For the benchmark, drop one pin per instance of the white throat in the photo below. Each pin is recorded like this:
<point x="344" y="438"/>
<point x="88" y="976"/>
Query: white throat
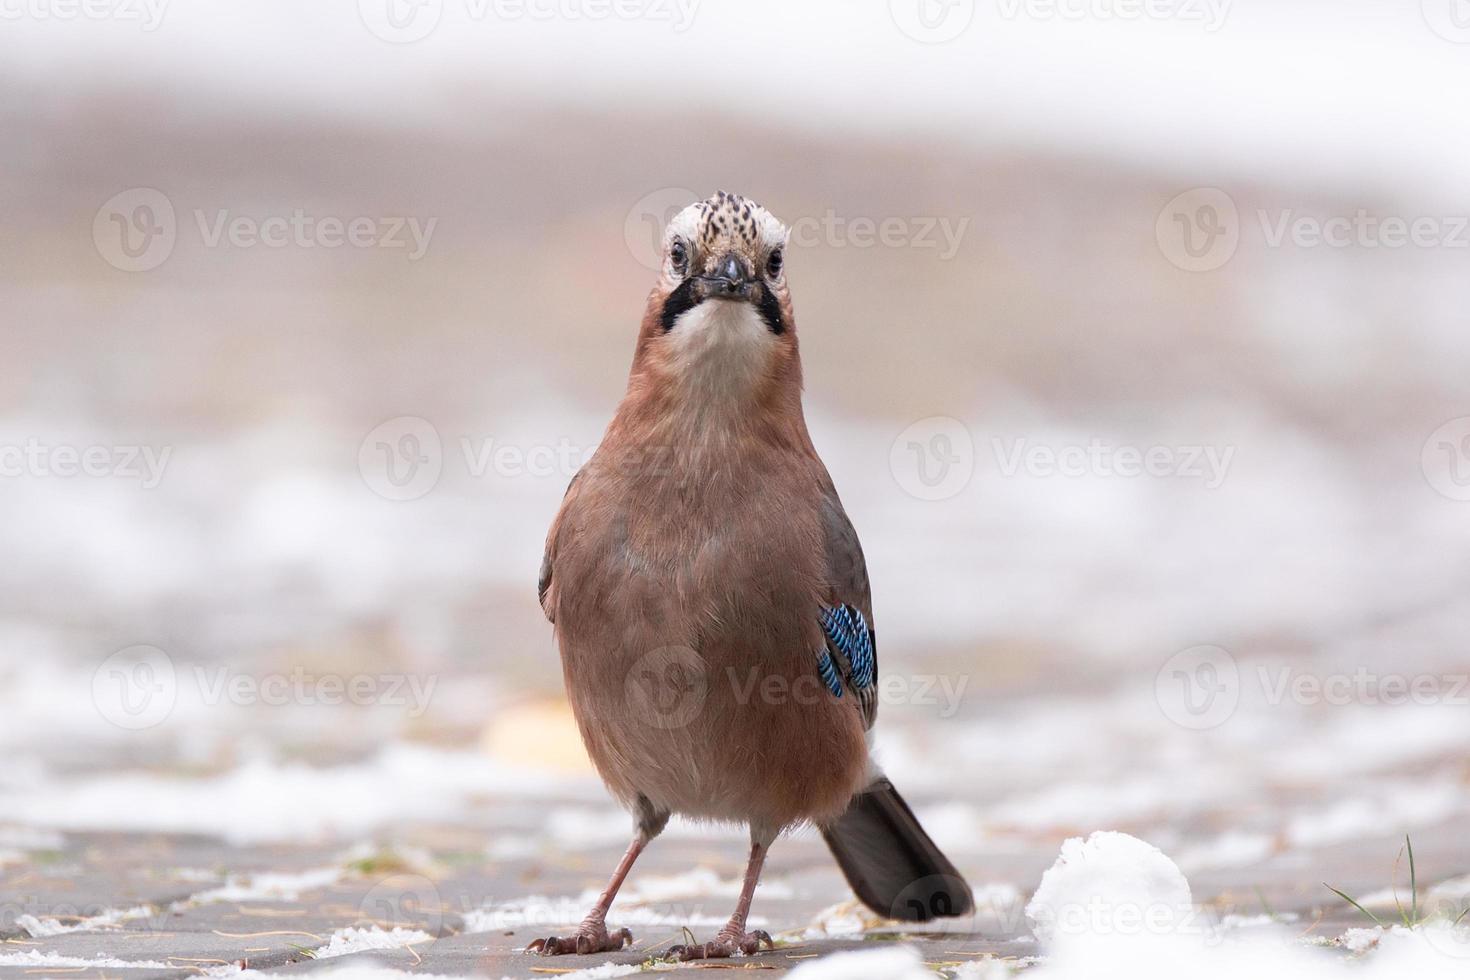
<point x="722" y="350"/>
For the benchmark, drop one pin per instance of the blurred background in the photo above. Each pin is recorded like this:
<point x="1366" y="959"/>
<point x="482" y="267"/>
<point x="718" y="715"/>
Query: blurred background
<point x="1135" y="340"/>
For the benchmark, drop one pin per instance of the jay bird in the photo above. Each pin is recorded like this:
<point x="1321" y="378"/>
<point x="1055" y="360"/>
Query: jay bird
<point x="711" y="602"/>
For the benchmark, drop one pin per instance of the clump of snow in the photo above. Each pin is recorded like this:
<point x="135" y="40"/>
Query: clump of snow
<point x="355" y="940"/>
<point x="1111" y="872"/>
<point x="846" y="920"/>
<point x="1111" y="884"/>
<point x="887" y="963"/>
<point x="1361" y="940"/>
<point x="41" y="927"/>
<point x="36" y="958"/>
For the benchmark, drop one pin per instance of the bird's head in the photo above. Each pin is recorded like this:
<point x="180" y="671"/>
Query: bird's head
<point x="719" y="319"/>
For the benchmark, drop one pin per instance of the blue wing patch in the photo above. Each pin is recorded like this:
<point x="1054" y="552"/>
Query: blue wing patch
<point x="849" y="635"/>
<point x="828" y="670"/>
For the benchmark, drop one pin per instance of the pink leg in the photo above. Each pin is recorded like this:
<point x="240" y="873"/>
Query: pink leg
<point x="592" y="935"/>
<point x="733" y="938"/>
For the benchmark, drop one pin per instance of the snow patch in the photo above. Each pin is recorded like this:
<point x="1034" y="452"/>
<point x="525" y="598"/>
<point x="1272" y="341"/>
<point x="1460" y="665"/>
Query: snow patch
<point x="355" y="940"/>
<point x="1110" y="884"/>
<point x="888" y="963"/>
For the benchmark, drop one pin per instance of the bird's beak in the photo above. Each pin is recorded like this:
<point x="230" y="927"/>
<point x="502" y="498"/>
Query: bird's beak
<point x="731" y="279"/>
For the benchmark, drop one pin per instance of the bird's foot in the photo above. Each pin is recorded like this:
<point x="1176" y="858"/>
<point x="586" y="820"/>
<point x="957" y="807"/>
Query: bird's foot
<point x="591" y="937"/>
<point x="728" y="943"/>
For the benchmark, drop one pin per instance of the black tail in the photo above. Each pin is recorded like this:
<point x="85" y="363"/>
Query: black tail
<point x="891" y="863"/>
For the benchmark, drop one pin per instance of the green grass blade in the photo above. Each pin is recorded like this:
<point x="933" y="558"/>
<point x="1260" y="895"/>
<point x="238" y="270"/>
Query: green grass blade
<point x="1354" y="903"/>
<point x="1413" y="879"/>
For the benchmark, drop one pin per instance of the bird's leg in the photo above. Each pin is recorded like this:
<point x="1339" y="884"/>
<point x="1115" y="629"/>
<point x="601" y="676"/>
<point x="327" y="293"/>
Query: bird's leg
<point x="592" y="935"/>
<point x="733" y="938"/>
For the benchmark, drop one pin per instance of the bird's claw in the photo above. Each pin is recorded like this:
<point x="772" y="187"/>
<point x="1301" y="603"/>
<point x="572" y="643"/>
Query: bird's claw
<point x="725" y="945"/>
<point x="589" y="939"/>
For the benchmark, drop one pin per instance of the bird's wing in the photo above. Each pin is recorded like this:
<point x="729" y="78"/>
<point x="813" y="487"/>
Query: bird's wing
<point x="548" y="558"/>
<point x="849" y="661"/>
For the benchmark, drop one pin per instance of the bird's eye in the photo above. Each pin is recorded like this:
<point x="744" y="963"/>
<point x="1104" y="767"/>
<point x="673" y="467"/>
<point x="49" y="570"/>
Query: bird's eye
<point x="679" y="256"/>
<point x="775" y="263"/>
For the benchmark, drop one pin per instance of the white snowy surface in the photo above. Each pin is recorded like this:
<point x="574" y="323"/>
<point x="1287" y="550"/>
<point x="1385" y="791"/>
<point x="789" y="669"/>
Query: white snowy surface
<point x="364" y="970"/>
<point x="888" y="963"/>
<point x="1111" y="884"/>
<point x="40" y="926"/>
<point x="356" y="940"/>
<point x="1110" y="871"/>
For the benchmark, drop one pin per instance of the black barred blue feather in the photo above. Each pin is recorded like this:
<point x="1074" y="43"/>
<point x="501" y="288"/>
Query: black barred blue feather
<point x="856" y="657"/>
<point x="828" y="670"/>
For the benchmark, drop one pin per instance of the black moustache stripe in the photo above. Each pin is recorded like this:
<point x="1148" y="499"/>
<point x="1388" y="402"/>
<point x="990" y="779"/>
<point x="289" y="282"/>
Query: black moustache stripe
<point x="770" y="311"/>
<point x="680" y="301"/>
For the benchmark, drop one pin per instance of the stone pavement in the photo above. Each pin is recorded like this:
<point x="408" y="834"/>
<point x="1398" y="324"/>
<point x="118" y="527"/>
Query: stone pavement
<point x="154" y="905"/>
